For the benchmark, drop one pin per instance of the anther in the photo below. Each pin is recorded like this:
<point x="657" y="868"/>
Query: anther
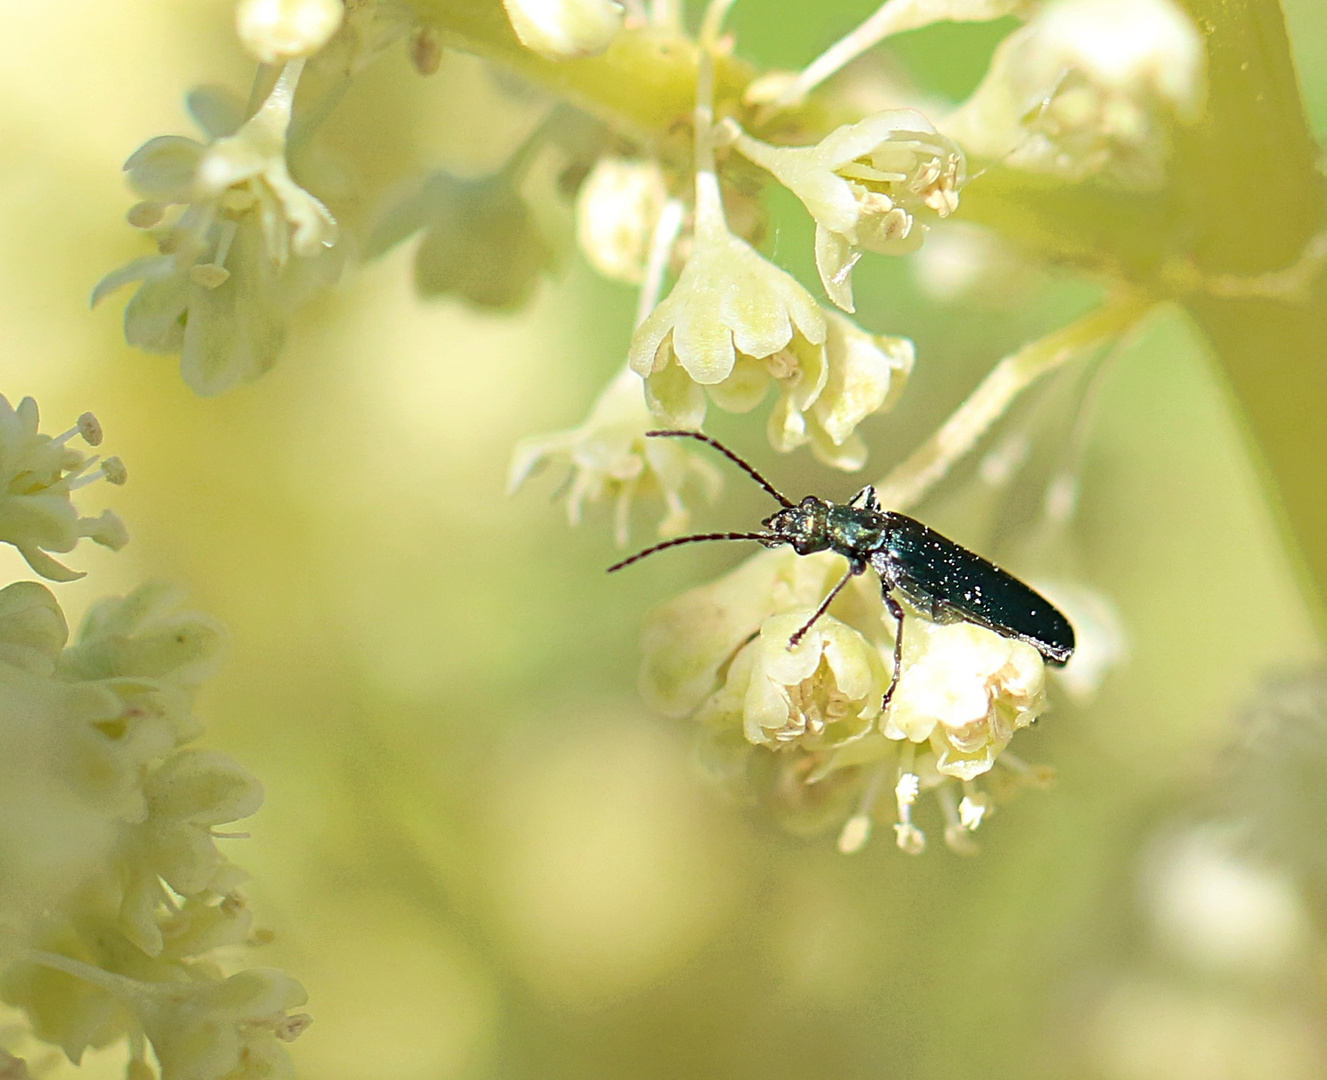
<point x="114" y="471"/>
<point x="146" y="214"/>
<point x="89" y="429"/>
<point x="957" y="838"/>
<point x="857" y="829"/>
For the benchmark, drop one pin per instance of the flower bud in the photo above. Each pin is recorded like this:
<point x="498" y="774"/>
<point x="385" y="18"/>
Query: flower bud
<point x="278" y="30"/>
<point x="616" y="210"/>
<point x="565" y="29"/>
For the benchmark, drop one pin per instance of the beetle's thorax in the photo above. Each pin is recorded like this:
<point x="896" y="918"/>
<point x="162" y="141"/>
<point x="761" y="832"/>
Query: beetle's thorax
<point x="815" y="524"/>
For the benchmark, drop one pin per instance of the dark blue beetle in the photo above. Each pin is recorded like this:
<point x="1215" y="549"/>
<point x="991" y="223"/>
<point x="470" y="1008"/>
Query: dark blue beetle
<point x="938" y="577"/>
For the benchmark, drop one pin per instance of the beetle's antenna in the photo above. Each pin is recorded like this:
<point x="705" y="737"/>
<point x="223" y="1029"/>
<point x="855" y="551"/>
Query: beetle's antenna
<point x="690" y="540"/>
<point x="748" y="469"/>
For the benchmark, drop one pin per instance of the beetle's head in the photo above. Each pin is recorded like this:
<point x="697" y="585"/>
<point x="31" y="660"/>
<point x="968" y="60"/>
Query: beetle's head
<point x="802" y="526"/>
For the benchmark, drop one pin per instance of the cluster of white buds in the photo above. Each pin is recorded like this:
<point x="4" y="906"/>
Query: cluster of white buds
<point x="240" y="241"/>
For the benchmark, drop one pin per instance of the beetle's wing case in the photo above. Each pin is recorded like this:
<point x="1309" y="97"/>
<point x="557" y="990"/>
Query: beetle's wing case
<point x="942" y="578"/>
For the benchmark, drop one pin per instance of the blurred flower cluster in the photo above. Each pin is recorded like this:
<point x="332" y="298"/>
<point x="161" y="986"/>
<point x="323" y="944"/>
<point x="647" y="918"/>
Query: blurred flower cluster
<point x="113" y="893"/>
<point x="803" y="728"/>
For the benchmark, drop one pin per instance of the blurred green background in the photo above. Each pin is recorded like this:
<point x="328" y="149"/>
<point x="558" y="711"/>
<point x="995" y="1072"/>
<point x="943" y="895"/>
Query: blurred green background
<point x="480" y="854"/>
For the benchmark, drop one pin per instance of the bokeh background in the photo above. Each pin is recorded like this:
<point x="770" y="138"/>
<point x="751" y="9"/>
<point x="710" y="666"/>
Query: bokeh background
<point x="478" y="851"/>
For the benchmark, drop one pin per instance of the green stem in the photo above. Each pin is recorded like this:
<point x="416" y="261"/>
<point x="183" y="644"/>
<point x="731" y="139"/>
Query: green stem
<point x="642" y="85"/>
<point x="959" y="435"/>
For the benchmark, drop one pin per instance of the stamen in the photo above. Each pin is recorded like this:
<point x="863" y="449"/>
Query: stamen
<point x="973" y="807"/>
<point x="89" y="429"/>
<point x="910" y="838"/>
<point x="214" y="273"/>
<point x="857" y="829"/>
<point x="146" y="214"/>
<point x="857" y="171"/>
<point x="956" y="833"/>
<point x="114" y="471"/>
<point x="80" y="476"/>
<point x="289" y="1028"/>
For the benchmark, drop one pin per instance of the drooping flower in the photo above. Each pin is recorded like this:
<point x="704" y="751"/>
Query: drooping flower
<point x="688" y="641"/>
<point x="729" y="304"/>
<point x="241" y="243"/>
<point x="38" y="474"/>
<point x="824" y="692"/>
<point x="610" y="457"/>
<point x="565" y="29"/>
<point x="866" y="185"/>
<point x="1089" y="86"/>
<point x="186" y="797"/>
<point x="862" y="374"/>
<point x="965" y="690"/>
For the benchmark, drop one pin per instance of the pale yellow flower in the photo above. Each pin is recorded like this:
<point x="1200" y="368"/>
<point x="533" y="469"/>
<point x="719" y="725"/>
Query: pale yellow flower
<point x="866" y="185"/>
<point x="610" y="458"/>
<point x="817" y="696"/>
<point x="862" y="374"/>
<point x="241" y="243"/>
<point x="688" y="640"/>
<point x="729" y="302"/>
<point x="965" y="690"/>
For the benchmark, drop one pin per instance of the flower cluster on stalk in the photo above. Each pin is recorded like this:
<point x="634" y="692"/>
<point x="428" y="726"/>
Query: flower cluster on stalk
<point x="807" y="725"/>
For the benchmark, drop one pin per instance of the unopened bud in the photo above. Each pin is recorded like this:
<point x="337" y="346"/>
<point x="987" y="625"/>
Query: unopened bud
<point x="277" y="30"/>
<point x="565" y="29"/>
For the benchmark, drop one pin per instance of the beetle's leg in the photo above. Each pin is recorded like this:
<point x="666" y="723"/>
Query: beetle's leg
<point x="867" y="491"/>
<point x="895" y="609"/>
<point x="853" y="570"/>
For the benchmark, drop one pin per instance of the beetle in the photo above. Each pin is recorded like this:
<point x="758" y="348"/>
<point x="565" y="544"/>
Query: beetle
<point x="939" y="578"/>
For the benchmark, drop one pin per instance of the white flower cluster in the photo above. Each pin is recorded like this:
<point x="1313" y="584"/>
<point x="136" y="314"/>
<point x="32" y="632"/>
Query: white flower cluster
<point x="806" y="723"/>
<point x="112" y="888"/>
